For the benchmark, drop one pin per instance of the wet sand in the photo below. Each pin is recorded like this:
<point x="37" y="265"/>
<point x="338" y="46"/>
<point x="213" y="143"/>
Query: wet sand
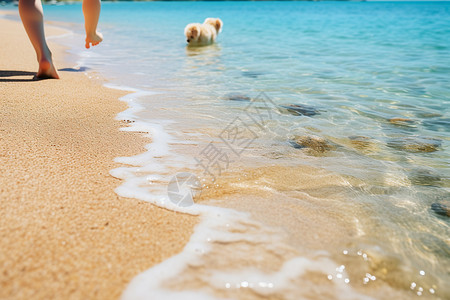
<point x="65" y="234"/>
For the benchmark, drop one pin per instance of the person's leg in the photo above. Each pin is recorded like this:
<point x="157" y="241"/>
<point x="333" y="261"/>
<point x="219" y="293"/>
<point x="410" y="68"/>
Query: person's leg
<point x="91" y="11"/>
<point x="32" y="17"/>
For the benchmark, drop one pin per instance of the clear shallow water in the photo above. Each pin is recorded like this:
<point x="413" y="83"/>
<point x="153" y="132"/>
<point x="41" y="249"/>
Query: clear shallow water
<point x="364" y="204"/>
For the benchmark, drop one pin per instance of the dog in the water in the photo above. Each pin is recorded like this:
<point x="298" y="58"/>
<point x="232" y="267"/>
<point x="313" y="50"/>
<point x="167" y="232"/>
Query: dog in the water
<point x="203" y="34"/>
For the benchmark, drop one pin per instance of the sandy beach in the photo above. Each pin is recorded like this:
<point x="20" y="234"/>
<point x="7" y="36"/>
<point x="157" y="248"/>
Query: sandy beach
<point x="65" y="234"/>
<point x="313" y="167"/>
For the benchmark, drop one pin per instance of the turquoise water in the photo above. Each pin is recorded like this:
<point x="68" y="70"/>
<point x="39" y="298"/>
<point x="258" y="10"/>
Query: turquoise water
<point x="361" y="63"/>
<point x="375" y="78"/>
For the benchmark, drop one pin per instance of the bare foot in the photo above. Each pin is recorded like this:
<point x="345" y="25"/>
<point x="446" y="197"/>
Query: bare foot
<point x="46" y="70"/>
<point x="93" y="39"/>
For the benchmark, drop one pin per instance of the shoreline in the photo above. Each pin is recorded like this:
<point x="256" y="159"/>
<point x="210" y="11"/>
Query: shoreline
<point x="326" y="204"/>
<point x="66" y="233"/>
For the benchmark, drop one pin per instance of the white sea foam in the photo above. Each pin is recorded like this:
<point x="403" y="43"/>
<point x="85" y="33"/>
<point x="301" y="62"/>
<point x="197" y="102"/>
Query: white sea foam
<point x="158" y="160"/>
<point x="232" y="240"/>
<point x="220" y="228"/>
<point x="146" y="178"/>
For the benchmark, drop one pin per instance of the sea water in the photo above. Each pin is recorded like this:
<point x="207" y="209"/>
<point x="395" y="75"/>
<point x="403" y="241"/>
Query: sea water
<point x="317" y="135"/>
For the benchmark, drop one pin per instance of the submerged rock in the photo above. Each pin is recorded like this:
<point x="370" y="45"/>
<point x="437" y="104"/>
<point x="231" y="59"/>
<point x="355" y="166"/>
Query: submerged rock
<point x="441" y="209"/>
<point x="237" y="97"/>
<point x="415" y="144"/>
<point x="401" y="121"/>
<point x="441" y="124"/>
<point x="425" y="115"/>
<point x="360" y="142"/>
<point x="313" y="144"/>
<point x="299" y="110"/>
<point x="424" y="177"/>
<point x="427" y="242"/>
<point x="251" y="74"/>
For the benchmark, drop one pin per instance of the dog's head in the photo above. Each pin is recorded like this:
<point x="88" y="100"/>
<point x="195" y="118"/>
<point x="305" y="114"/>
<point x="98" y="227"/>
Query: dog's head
<point x="192" y="32"/>
<point x="216" y="23"/>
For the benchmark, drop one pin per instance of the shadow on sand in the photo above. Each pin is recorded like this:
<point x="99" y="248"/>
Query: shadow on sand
<point x="11" y="73"/>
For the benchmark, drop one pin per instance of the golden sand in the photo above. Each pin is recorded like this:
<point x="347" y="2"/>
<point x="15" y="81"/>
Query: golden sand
<point x="65" y="234"/>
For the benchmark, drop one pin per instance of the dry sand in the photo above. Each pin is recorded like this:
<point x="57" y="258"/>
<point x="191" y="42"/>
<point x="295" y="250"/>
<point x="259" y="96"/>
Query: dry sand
<point x="65" y="234"/>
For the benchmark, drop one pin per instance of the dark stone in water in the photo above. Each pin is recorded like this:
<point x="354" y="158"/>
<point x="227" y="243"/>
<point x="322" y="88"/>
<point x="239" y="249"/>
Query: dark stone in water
<point x="415" y="144"/>
<point x="251" y="74"/>
<point x="441" y="124"/>
<point x="401" y="121"/>
<point x="441" y="209"/>
<point x="237" y="97"/>
<point x="359" y="138"/>
<point x="299" y="110"/>
<point x="430" y="243"/>
<point x="314" y="144"/>
<point x="425" y="115"/>
<point x="360" y="141"/>
<point x="424" y="177"/>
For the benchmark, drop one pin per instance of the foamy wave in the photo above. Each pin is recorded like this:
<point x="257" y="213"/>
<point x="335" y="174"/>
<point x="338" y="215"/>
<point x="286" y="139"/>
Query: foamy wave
<point x="228" y="253"/>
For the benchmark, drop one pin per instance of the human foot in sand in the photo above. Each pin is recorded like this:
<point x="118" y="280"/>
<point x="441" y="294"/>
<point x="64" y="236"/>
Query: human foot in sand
<point x="32" y="17"/>
<point x="46" y="69"/>
<point x="33" y="21"/>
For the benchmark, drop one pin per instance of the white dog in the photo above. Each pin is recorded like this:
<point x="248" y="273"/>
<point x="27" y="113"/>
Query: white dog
<point x="203" y="34"/>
